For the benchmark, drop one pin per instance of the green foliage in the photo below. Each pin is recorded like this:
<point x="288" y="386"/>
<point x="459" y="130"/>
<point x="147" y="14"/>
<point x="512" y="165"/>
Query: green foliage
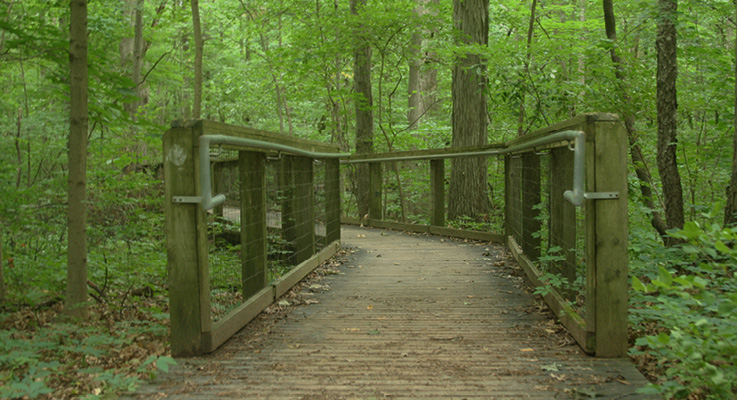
<point x="97" y="360"/>
<point x="692" y="298"/>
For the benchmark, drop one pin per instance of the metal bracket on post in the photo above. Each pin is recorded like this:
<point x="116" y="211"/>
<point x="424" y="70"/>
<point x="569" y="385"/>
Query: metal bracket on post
<point x="601" y="195"/>
<point x="187" y="199"/>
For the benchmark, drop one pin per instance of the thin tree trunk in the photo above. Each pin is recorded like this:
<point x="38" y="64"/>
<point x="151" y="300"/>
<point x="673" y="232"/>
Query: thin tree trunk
<point x="730" y="210"/>
<point x="364" y="109"/>
<point x="414" y="101"/>
<point x="667" y="107"/>
<point x="638" y="160"/>
<point x="198" y="49"/>
<point x="76" y="290"/>
<point x="468" y="182"/>
<point x="139" y="49"/>
<point x="528" y="60"/>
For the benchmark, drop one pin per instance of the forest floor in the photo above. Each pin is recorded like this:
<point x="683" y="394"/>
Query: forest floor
<point x="403" y="316"/>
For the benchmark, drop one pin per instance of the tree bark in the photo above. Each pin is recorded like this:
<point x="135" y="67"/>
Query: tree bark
<point x="670" y="178"/>
<point x="468" y="182"/>
<point x="76" y="290"/>
<point x="638" y="160"/>
<point x="364" y="109"/>
<point x="198" y="49"/>
<point x="414" y="90"/>
<point x="132" y="52"/>
<point x="526" y="73"/>
<point x="730" y="210"/>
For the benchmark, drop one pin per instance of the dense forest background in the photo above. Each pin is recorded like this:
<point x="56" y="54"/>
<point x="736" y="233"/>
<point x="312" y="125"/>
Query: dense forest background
<point x="288" y="67"/>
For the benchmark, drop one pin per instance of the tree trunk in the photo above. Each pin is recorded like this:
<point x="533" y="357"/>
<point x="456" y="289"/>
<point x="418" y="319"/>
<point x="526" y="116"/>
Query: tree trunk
<point x="468" y="189"/>
<point x="526" y="71"/>
<point x="198" y="49"/>
<point x="667" y="107"/>
<point x="364" y="109"/>
<point x="132" y="52"/>
<point x="730" y="210"/>
<point x="641" y="169"/>
<point x="414" y="89"/>
<point x="76" y="291"/>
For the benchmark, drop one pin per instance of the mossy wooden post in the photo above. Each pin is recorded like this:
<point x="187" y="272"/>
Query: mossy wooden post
<point x="252" y="166"/>
<point x="437" y="190"/>
<point x="375" y="183"/>
<point x="186" y="243"/>
<point x="332" y="199"/>
<point x="563" y="216"/>
<point x="512" y="197"/>
<point x="610" y="233"/>
<point x="530" y="199"/>
<point x="304" y="210"/>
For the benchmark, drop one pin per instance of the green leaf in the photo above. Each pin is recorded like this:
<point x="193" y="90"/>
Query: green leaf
<point x="665" y="276"/>
<point x="638" y="286"/>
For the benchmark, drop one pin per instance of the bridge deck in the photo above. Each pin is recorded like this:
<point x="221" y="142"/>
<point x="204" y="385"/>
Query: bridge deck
<point x="407" y="317"/>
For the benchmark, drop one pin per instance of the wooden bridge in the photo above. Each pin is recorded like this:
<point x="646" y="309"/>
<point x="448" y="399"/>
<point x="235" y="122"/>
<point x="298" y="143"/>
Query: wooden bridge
<point x="402" y="315"/>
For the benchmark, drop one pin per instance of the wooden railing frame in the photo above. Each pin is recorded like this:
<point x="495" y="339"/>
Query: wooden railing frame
<point x="192" y="329"/>
<point x="603" y="331"/>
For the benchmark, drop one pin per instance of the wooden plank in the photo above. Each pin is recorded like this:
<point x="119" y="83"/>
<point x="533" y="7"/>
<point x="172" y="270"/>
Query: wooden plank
<point x="399" y="226"/>
<point x="218" y="128"/>
<point x="611" y="241"/>
<point x="291" y="278"/>
<point x="578" y="122"/>
<point x="332" y="194"/>
<point x="304" y="203"/>
<point x="530" y="200"/>
<point x="427" y="153"/>
<point x="253" y="222"/>
<point x="235" y="320"/>
<point x="562" y="309"/>
<point x="375" y="184"/>
<point x="437" y="192"/>
<point x="435" y="230"/>
<point x="186" y="245"/>
<point x="466" y="234"/>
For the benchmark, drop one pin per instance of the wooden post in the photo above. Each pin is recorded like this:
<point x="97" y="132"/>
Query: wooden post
<point x="288" y="207"/>
<point x="304" y="209"/>
<point x="186" y="244"/>
<point x="218" y="170"/>
<point x="332" y="199"/>
<point x="513" y="197"/>
<point x="530" y="199"/>
<point x="610" y="231"/>
<point x="375" y="184"/>
<point x="563" y="217"/>
<point x="252" y="166"/>
<point x="437" y="190"/>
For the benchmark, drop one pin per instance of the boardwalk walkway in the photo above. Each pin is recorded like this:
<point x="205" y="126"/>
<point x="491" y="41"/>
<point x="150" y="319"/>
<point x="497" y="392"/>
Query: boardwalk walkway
<point x="404" y="317"/>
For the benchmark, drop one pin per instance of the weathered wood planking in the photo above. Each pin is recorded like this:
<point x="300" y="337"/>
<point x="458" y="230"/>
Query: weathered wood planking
<point x="408" y="317"/>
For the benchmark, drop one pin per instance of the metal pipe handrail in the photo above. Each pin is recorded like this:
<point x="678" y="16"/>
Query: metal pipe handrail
<point x="206" y="198"/>
<point x="575" y="196"/>
<point x="208" y="201"/>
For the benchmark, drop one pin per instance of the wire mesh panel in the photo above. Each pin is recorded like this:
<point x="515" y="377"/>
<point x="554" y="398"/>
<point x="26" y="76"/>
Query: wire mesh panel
<point x="240" y="216"/>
